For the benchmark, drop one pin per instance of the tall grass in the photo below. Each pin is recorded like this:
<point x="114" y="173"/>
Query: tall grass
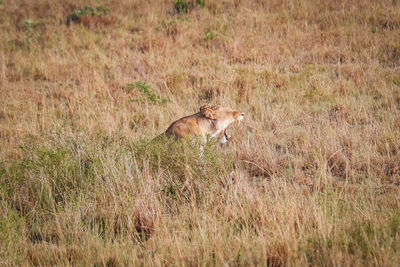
<point x="311" y="178"/>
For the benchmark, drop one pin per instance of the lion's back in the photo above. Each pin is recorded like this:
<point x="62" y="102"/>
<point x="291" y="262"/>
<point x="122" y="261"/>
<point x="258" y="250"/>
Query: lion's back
<point x="184" y="127"/>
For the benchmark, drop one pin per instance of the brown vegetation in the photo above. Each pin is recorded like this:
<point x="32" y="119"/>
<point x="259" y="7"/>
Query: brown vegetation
<point x="311" y="178"/>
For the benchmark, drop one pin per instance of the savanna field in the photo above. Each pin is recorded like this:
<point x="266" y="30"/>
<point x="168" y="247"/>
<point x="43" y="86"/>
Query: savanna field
<point x="311" y="177"/>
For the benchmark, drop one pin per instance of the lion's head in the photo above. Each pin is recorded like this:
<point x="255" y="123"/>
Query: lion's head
<point x="221" y="114"/>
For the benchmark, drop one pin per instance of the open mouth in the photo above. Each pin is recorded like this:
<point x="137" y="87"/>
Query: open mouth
<point x="241" y="117"/>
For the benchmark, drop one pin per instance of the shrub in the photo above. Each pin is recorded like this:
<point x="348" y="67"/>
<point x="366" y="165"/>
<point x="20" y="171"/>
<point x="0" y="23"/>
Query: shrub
<point x="182" y="6"/>
<point x="90" y="16"/>
<point x="144" y="89"/>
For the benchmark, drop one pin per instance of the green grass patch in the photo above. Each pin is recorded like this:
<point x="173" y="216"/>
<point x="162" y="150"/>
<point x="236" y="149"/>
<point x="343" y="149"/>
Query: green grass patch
<point x="77" y="14"/>
<point x="148" y="96"/>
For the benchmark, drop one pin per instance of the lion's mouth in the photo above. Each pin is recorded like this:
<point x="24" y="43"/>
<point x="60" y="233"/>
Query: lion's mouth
<point x="226" y="135"/>
<point x="241" y="117"/>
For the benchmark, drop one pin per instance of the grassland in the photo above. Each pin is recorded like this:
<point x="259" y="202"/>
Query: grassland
<point x="311" y="178"/>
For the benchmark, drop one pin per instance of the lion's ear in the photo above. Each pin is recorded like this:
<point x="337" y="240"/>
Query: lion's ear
<point x="204" y="106"/>
<point x="207" y="111"/>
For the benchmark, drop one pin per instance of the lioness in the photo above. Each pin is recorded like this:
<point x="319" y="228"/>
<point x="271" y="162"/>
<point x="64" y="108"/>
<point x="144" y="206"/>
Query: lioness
<point x="210" y="121"/>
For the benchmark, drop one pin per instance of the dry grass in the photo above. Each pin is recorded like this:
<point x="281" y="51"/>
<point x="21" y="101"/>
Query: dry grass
<point x="311" y="178"/>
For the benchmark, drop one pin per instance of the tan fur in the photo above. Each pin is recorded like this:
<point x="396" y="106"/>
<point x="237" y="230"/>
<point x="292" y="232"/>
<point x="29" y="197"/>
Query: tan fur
<point x="210" y="121"/>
